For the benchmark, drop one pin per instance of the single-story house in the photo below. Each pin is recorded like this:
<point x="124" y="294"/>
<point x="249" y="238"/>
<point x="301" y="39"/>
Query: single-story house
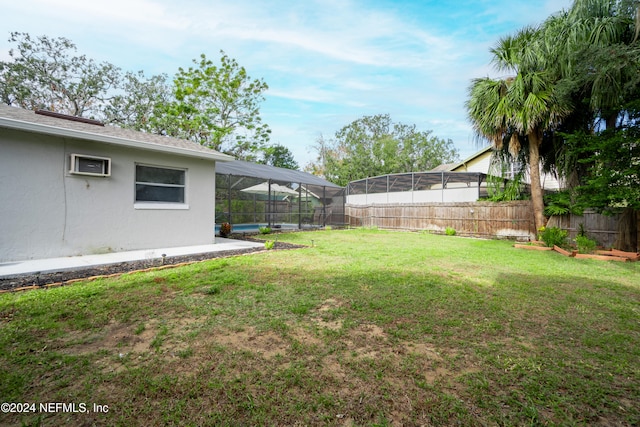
<point x="72" y="186"/>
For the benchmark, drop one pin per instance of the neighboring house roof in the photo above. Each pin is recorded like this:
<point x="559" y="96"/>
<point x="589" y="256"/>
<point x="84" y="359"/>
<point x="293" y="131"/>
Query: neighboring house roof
<point x="471" y="158"/>
<point x="481" y="162"/>
<point x="445" y="167"/>
<point x="256" y="170"/>
<point x="29" y="121"/>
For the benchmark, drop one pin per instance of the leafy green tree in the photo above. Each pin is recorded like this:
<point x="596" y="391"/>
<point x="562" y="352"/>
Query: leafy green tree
<point x="279" y="156"/>
<point x="140" y="103"/>
<point x="46" y="73"/>
<point x="611" y="184"/>
<point x="323" y="156"/>
<point x="218" y="106"/>
<point x="596" y="53"/>
<point x="574" y="73"/>
<point x="591" y="47"/>
<point x="215" y="105"/>
<point x="375" y="145"/>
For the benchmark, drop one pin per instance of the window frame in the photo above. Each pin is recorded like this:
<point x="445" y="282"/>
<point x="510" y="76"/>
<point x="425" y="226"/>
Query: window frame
<point x="75" y="160"/>
<point x="168" y="205"/>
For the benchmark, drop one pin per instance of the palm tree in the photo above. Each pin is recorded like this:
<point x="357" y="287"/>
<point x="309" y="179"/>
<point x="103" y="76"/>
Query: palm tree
<point x="589" y="46"/>
<point x="519" y="108"/>
<point x="595" y="50"/>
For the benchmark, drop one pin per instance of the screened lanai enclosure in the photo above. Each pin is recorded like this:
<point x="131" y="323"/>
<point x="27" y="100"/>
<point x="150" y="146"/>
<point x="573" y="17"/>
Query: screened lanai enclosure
<point x="418" y="187"/>
<point x="250" y="195"/>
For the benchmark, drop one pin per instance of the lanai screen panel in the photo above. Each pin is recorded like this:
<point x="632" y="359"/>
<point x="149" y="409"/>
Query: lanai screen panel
<point x="418" y="187"/>
<point x="261" y="195"/>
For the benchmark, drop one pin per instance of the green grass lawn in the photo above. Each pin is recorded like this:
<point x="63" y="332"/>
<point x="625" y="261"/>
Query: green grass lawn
<point x="365" y="327"/>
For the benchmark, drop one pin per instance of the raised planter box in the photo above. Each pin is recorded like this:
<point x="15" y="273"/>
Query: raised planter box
<point x="631" y="256"/>
<point x="564" y="252"/>
<point x="532" y="247"/>
<point x="602" y="257"/>
<point x="611" y="255"/>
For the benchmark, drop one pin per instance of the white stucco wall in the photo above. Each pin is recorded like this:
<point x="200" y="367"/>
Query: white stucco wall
<point x="47" y="212"/>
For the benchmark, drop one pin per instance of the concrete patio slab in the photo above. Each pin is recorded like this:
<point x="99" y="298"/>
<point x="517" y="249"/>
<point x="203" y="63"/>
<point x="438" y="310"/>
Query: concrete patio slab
<point x="17" y="268"/>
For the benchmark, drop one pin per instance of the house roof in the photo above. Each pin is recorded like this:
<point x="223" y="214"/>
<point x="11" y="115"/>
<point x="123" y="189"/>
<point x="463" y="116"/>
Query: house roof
<point x="255" y="170"/>
<point x="445" y="167"/>
<point x="453" y="166"/>
<point x="69" y="127"/>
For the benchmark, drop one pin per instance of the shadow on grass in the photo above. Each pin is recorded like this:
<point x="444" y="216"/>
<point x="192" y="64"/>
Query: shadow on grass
<point x="380" y="344"/>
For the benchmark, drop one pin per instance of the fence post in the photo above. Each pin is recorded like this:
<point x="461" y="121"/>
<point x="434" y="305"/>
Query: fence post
<point x="324" y="205"/>
<point x="300" y="204"/>
<point x="269" y="204"/>
<point x="413" y="185"/>
<point x="229" y="197"/>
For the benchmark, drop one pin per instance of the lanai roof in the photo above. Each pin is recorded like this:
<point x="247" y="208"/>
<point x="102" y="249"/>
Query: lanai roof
<point x="255" y="170"/>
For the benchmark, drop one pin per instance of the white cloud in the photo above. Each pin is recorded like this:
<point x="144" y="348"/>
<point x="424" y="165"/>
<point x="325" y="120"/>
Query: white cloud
<point x="327" y="62"/>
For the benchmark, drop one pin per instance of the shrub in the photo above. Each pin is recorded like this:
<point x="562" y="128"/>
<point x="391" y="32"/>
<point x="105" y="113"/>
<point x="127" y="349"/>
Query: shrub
<point x="450" y="231"/>
<point x="269" y="244"/>
<point x="560" y="203"/>
<point x="585" y="245"/>
<point x="264" y="230"/>
<point x="225" y="229"/>
<point x="553" y="236"/>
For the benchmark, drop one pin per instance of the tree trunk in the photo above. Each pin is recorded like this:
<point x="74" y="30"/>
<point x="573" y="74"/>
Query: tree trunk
<point x="534" y="174"/>
<point x="612" y="121"/>
<point x="627" y="239"/>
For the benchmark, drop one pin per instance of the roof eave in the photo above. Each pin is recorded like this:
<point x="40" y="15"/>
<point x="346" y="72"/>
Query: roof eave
<point x="108" y="139"/>
<point x="468" y="159"/>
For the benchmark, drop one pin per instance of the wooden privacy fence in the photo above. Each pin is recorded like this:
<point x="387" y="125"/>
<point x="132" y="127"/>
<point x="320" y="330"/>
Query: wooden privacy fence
<point x="602" y="228"/>
<point x="480" y="219"/>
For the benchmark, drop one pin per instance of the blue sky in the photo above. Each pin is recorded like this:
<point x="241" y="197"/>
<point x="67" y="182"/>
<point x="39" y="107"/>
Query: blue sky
<point x="326" y="62"/>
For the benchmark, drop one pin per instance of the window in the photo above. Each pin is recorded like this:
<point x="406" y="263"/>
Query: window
<point x="90" y="165"/>
<point x="160" y="185"/>
<point x="513" y="170"/>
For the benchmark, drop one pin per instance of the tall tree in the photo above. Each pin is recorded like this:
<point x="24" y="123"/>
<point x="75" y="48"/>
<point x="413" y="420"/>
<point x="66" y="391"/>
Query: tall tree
<point x="612" y="182"/>
<point x="375" y="145"/>
<point x="215" y="105"/>
<point x="218" y="106"/>
<point x="279" y="156"/>
<point x="589" y="47"/>
<point x="140" y="102"/>
<point x="519" y="109"/>
<point x="596" y="53"/>
<point x="47" y="73"/>
<point x="323" y="156"/>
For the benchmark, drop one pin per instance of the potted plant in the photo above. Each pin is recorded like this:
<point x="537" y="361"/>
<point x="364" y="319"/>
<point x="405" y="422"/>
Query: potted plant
<point x="225" y="229"/>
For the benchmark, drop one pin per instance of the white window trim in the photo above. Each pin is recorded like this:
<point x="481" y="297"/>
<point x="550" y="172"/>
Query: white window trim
<point x="142" y="205"/>
<point x="160" y="205"/>
<point x="75" y="158"/>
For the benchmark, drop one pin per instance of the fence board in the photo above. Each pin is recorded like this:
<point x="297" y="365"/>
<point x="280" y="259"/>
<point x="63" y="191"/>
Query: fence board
<point x="602" y="228"/>
<point x="480" y="219"/>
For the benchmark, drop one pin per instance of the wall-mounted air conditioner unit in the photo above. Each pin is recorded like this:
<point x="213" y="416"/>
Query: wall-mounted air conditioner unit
<point x="82" y="164"/>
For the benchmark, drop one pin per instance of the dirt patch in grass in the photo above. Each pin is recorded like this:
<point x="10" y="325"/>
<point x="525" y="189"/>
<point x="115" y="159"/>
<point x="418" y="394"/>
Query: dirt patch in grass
<point x="267" y="344"/>
<point x="359" y="372"/>
<point x="119" y="344"/>
<point x="114" y="338"/>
